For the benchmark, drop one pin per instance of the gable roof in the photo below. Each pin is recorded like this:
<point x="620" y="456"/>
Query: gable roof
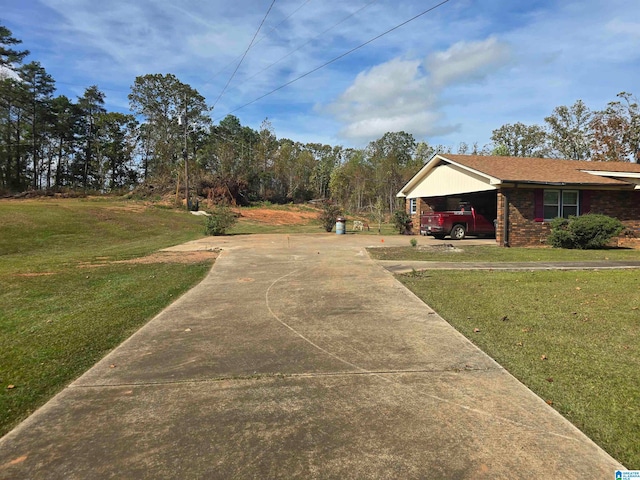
<point x="542" y="171"/>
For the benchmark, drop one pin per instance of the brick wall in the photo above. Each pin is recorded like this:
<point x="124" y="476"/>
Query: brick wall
<point x="525" y="232"/>
<point x="625" y="206"/>
<point x="422" y="206"/>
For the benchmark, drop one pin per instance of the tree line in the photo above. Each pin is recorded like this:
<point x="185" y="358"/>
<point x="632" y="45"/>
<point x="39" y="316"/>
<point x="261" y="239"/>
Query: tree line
<point x="575" y="132"/>
<point x="168" y="139"/>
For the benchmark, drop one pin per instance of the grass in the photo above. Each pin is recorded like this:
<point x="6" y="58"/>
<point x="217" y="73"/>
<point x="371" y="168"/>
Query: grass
<point x="251" y="227"/>
<point x="572" y="337"/>
<point x="58" y="313"/>
<point x="42" y="234"/>
<point x="491" y="253"/>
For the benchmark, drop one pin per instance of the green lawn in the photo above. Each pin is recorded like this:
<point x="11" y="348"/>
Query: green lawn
<point x="491" y="253"/>
<point x="573" y="337"/>
<point x="59" y="313"/>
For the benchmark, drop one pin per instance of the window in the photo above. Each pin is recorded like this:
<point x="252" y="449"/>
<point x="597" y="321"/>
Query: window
<point x="551" y="204"/>
<point x="413" y="205"/>
<point x="561" y="203"/>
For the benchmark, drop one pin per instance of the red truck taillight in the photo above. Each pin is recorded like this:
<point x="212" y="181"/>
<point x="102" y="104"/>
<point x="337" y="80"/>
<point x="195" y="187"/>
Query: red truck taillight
<point x="440" y="220"/>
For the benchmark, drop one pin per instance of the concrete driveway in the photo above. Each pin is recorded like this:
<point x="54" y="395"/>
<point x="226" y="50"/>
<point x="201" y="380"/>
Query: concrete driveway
<point x="298" y="357"/>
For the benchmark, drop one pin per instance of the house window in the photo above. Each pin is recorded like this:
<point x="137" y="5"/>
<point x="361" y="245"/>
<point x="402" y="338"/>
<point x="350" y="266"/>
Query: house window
<point x="413" y="205"/>
<point x="561" y="203"/>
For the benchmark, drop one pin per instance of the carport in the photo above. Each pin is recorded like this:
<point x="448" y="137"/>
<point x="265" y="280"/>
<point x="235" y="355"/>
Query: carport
<point x="444" y="185"/>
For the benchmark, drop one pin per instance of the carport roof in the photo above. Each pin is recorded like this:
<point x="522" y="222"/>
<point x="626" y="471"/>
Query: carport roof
<point x="542" y="171"/>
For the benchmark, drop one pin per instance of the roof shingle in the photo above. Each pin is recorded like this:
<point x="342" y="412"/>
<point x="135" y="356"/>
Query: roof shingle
<point x="544" y="170"/>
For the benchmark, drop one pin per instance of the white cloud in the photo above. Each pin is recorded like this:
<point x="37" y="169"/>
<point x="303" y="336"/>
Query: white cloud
<point x="621" y="27"/>
<point x="407" y="94"/>
<point x="6" y="73"/>
<point x="457" y="73"/>
<point x="467" y="61"/>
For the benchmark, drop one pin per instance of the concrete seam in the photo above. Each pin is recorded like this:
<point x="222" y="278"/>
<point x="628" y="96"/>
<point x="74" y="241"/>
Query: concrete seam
<point x="393" y="381"/>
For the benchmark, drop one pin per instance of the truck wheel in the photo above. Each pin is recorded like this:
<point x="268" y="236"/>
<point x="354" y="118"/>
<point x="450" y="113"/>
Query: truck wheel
<point x="458" y="232"/>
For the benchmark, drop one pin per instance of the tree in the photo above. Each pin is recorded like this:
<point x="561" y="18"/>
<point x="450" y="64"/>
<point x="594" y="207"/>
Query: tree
<point x="423" y="152"/>
<point x="65" y="128"/>
<point x="90" y="107"/>
<point x="352" y="182"/>
<point x="392" y="159"/>
<point x="463" y="148"/>
<point x="476" y="150"/>
<point x="293" y="171"/>
<point x="40" y="87"/>
<point x="616" y="131"/>
<point x="265" y="151"/>
<point x="325" y="159"/>
<point x="12" y="107"/>
<point x="8" y="55"/>
<point x="519" y="140"/>
<point x="228" y="160"/>
<point x="164" y="101"/>
<point x="568" y="131"/>
<point x="116" y="144"/>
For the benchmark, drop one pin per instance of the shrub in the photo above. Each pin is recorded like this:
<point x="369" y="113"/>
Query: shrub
<point x="402" y="221"/>
<point x="560" y="236"/>
<point x="193" y="205"/>
<point x="413" y="242"/>
<point x="329" y="214"/>
<point x="589" y="231"/>
<point x="221" y="219"/>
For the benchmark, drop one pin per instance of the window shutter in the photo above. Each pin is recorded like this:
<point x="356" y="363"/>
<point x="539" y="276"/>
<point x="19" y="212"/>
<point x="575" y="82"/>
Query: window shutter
<point x="585" y="201"/>
<point x="538" y="202"/>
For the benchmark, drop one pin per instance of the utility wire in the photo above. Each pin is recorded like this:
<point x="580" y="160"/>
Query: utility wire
<point x="336" y="58"/>
<point x="263" y="37"/>
<point x="309" y="41"/>
<point x="245" y="54"/>
<point x="266" y="35"/>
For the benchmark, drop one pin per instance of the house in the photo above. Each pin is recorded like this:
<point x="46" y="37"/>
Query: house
<point x="524" y="194"/>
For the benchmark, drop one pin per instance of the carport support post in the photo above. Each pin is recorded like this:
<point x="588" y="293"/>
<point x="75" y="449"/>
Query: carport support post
<point x="505" y="219"/>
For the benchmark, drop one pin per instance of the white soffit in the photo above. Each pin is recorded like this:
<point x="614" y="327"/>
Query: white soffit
<point x="629" y="177"/>
<point x="450" y="180"/>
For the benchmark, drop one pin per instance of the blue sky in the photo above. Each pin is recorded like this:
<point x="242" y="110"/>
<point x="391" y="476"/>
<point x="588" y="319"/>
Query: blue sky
<point x="452" y="75"/>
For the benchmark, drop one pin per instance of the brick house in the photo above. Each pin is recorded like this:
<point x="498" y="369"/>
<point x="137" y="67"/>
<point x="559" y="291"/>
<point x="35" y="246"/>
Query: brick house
<point x="523" y="194"/>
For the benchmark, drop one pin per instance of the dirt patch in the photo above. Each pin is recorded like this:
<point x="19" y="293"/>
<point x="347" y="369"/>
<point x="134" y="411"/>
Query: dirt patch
<point x="175" y="257"/>
<point x="133" y="207"/>
<point x="445" y="247"/>
<point x="278" y="217"/>
<point x="157" y="257"/>
<point x="38" y="274"/>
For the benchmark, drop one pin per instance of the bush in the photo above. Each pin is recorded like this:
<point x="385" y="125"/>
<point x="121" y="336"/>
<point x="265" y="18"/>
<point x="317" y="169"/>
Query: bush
<point x="589" y="231"/>
<point x="329" y="214"/>
<point x="221" y="219"/>
<point x="402" y="221"/>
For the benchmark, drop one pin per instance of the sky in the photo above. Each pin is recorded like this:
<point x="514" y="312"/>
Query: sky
<point x="451" y="75"/>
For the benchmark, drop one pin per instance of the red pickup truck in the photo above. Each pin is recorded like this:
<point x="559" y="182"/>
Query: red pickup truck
<point x="456" y="223"/>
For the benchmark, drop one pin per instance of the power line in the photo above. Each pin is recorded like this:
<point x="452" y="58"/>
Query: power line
<point x="245" y="53"/>
<point x="309" y="41"/>
<point x="266" y="35"/>
<point x="333" y="60"/>
<point x="263" y="37"/>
